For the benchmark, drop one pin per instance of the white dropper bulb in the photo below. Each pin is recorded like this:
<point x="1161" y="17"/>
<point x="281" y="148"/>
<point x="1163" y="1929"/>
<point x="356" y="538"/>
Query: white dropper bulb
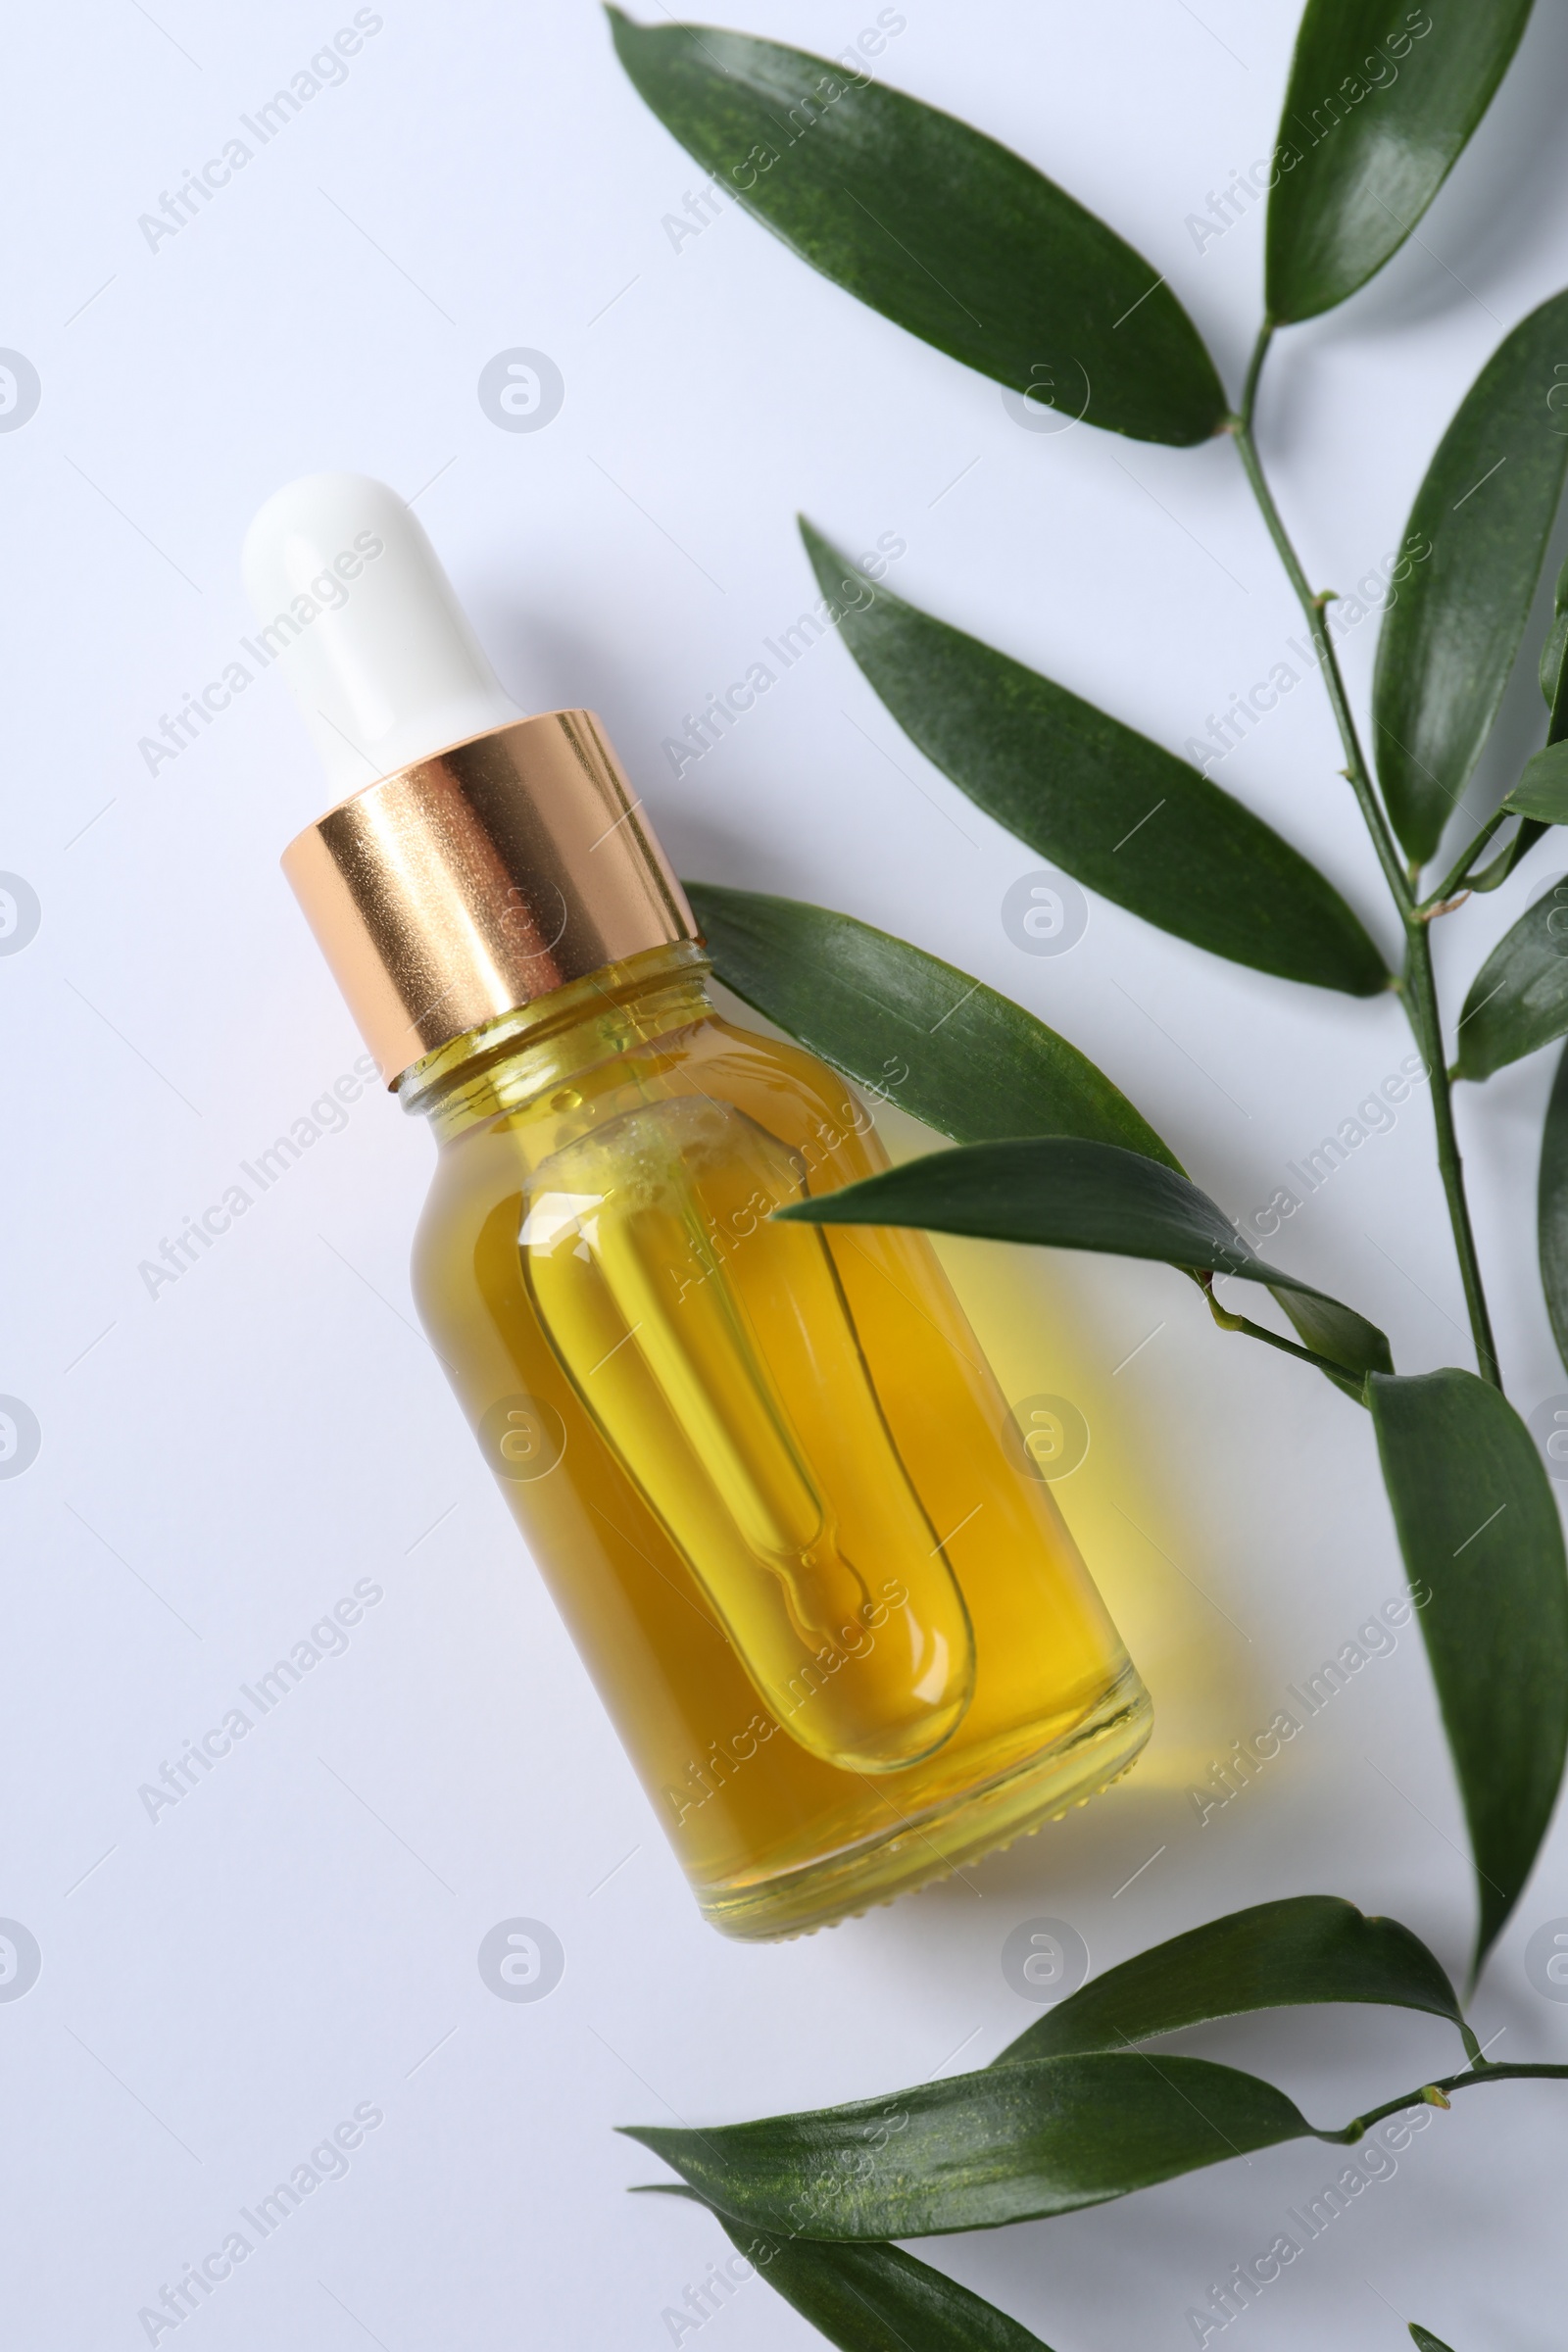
<point x="353" y="604"/>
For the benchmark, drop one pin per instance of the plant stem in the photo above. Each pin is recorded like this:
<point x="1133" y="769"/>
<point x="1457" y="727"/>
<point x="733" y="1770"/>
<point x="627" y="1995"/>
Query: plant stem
<point x="1418" y="989"/>
<point x="1223" y="1315"/>
<point x="1512" y="855"/>
<point x="1486" y="2072"/>
<point x="1355" y="766"/>
<point x="1460" y="874"/>
<point x="1421" y="1004"/>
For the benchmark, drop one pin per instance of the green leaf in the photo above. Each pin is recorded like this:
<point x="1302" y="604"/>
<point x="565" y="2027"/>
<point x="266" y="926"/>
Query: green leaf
<point x="1307" y="1948"/>
<point x="1330" y="1328"/>
<point x="1554" y="674"/>
<point x="1010" y="2145"/>
<point x="1553" y="669"/>
<point x="949" y="1051"/>
<point x="935" y="226"/>
<point x="1493" y="876"/>
<point x="1375" y="116"/>
<point x="1518" y="1001"/>
<point x="1424" y="2339"/>
<point x="1479" y="1528"/>
<point x="873" y="2297"/>
<point x="1486" y="512"/>
<point x="1099" y="800"/>
<point x="1542" y="790"/>
<point x="912" y="1029"/>
<point x="1061" y="1193"/>
<point x="1551" y="1208"/>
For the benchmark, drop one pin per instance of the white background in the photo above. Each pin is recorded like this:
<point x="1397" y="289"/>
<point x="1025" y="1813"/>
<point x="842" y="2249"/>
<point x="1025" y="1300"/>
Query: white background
<point x="220" y="1464"/>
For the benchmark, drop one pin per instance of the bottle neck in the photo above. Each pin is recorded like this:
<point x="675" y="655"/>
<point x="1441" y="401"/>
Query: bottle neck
<point x="504" y="1063"/>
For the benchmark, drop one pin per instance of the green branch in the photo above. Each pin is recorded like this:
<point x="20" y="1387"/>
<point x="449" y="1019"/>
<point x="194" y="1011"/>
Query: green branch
<point x="1357" y="772"/>
<point x="1435" y="2095"/>
<point x="1421" y="1002"/>
<point x="1461" y="877"/>
<point x="1418" y="989"/>
<point x="1227" y="1321"/>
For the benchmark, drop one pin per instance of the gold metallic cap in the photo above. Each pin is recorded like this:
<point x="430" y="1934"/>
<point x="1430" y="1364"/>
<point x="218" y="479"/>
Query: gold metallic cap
<point x="475" y="881"/>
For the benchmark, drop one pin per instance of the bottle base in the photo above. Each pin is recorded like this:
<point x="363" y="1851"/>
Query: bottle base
<point x="929" y="1846"/>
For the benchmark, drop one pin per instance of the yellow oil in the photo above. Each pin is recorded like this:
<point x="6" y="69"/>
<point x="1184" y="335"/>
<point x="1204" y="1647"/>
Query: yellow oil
<point x="837" y="1618"/>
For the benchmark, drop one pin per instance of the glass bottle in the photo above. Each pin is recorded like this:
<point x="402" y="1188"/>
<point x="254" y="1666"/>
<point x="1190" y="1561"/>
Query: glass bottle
<point x="840" y="1626"/>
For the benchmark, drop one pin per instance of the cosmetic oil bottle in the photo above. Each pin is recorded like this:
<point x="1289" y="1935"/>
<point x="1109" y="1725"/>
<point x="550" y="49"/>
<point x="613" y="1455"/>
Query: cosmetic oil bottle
<point x="776" y="1493"/>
